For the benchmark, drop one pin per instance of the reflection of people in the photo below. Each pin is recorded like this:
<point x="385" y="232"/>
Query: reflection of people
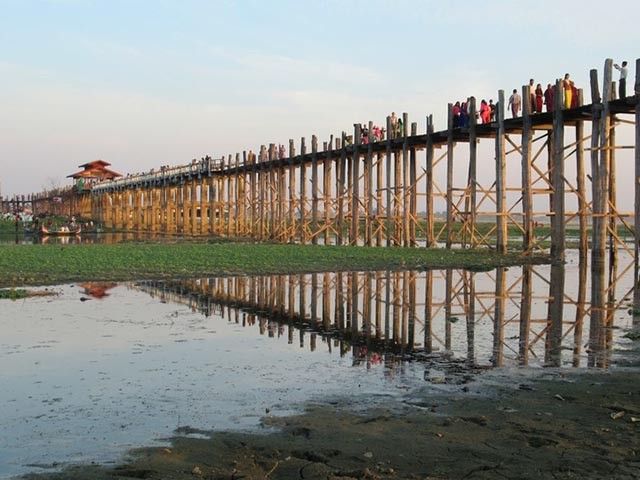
<point x="622" y="86"/>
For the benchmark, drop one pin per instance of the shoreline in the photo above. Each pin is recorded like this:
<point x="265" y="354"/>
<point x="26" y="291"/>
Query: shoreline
<point x="508" y="423"/>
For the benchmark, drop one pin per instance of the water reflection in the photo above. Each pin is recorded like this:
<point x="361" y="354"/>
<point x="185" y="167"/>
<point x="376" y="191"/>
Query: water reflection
<point x="509" y="316"/>
<point x="84" y="238"/>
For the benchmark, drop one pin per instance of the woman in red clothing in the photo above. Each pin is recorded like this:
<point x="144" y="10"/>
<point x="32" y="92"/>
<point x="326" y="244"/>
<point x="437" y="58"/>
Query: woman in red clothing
<point x="485" y="112"/>
<point x="539" y="95"/>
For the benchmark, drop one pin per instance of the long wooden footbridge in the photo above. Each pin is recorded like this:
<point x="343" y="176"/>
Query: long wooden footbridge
<point x="386" y="192"/>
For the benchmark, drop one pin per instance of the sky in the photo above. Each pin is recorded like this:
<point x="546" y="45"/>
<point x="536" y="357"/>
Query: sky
<point x="145" y="83"/>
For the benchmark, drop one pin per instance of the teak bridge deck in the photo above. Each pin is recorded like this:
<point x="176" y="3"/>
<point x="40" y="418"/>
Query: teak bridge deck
<point x="377" y="193"/>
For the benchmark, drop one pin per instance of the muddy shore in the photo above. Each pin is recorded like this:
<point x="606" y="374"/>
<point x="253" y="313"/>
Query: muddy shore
<point x="500" y="424"/>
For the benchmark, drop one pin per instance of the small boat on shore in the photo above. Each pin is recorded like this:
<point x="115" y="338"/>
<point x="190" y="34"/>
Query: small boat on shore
<point x="61" y="231"/>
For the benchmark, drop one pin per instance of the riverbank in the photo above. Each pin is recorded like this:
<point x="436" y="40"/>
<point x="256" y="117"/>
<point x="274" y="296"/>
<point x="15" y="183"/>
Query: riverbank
<point x="25" y="265"/>
<point x="500" y="424"/>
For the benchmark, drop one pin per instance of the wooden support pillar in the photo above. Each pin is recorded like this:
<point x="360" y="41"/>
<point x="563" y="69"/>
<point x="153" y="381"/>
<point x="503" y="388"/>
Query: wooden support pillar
<point x="473" y="170"/>
<point x="413" y="191"/>
<point x="379" y="203"/>
<point x="501" y="166"/>
<point x="314" y="190"/>
<point x="303" y="192"/>
<point x="527" y="196"/>
<point x="326" y="192"/>
<point x="389" y="230"/>
<point x="406" y="198"/>
<point x="557" y="221"/>
<point x="636" y="290"/>
<point x="450" y="144"/>
<point x="429" y="190"/>
<point x="355" y="187"/>
<point x="292" y="193"/>
<point x="582" y="192"/>
<point x="194" y="206"/>
<point x="368" y="189"/>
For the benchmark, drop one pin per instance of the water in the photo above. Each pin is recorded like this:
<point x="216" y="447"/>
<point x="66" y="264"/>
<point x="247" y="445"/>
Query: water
<point x="101" y="368"/>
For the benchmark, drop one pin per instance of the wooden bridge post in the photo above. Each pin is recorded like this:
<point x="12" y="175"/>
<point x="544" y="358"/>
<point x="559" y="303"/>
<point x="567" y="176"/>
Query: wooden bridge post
<point x="193" y="206"/>
<point x="450" y="144"/>
<point x="580" y="186"/>
<point x="636" y="291"/>
<point x="527" y="143"/>
<point x="558" y="220"/>
<point x="429" y="190"/>
<point x="473" y="170"/>
<point x="291" y="236"/>
<point x="389" y="172"/>
<point x="368" y="189"/>
<point x="314" y="190"/>
<point x="413" y="192"/>
<point x="303" y="192"/>
<point x="355" y="186"/>
<point x="326" y="176"/>
<point x="406" y="187"/>
<point x="501" y="234"/>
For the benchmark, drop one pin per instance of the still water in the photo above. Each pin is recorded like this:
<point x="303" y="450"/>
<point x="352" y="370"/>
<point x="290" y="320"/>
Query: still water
<point x="100" y="368"/>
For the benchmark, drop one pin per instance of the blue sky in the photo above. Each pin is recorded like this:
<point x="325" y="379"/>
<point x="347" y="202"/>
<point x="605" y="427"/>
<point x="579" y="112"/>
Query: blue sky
<point x="147" y="83"/>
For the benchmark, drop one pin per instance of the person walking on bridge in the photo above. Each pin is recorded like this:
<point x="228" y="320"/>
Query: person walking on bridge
<point x="515" y="101"/>
<point x="622" y="86"/>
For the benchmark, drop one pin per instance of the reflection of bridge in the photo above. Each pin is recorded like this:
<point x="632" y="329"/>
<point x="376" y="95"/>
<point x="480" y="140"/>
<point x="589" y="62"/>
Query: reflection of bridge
<point x="372" y="192"/>
<point x="486" y="317"/>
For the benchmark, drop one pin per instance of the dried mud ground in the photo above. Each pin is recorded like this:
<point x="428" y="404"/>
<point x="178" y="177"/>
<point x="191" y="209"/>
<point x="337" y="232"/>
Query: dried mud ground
<point x="559" y="425"/>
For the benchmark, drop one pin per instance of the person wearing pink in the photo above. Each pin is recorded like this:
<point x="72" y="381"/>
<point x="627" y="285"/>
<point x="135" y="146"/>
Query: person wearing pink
<point x="485" y="112"/>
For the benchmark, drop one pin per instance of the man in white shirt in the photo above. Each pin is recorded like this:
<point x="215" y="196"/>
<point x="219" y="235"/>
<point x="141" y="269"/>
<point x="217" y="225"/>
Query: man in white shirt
<point x="515" y="100"/>
<point x="622" y="87"/>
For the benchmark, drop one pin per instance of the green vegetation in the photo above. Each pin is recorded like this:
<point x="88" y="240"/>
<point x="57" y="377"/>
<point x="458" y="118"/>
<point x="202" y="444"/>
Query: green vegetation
<point x="13" y="293"/>
<point x="50" y="264"/>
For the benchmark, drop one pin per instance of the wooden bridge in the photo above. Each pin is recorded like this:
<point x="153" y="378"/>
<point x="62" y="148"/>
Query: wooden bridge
<point x="386" y="192"/>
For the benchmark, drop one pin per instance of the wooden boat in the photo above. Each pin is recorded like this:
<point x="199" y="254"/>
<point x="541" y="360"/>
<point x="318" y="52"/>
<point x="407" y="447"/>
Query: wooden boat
<point x="61" y="231"/>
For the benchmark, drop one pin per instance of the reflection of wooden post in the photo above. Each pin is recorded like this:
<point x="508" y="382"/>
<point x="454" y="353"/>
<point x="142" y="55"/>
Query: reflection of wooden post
<point x="448" y="299"/>
<point x="553" y="342"/>
<point x="501" y="165"/>
<point x="498" y="320"/>
<point x="470" y="301"/>
<point x="525" y="314"/>
<point x="428" y="301"/>
<point x="527" y="198"/>
<point x="580" y="309"/>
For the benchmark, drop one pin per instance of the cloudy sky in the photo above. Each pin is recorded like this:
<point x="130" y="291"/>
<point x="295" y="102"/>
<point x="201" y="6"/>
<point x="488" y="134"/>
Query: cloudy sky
<point x="147" y="83"/>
